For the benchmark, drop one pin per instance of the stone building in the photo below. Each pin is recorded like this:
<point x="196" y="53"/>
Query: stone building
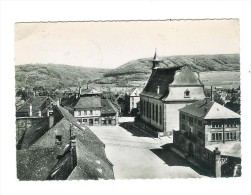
<point x="168" y="90"/>
<point x="205" y="126"/>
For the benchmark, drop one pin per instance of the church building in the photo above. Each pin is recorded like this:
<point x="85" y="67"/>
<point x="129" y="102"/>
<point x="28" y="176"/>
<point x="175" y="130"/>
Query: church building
<point x="168" y="89"/>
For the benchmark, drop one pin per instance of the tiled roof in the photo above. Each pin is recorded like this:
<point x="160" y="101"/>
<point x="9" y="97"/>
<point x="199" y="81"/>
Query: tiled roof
<point x="160" y="77"/>
<point x="91" y="164"/>
<point x="107" y="107"/>
<point x="35" y="164"/>
<point x="209" y="110"/>
<point x="41" y="159"/>
<point x="88" y="102"/>
<point x="36" y="102"/>
<point x="218" y="111"/>
<point x="33" y="133"/>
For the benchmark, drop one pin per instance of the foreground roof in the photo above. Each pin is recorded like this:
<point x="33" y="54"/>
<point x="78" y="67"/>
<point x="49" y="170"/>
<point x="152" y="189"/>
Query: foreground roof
<point x="44" y="157"/>
<point x="209" y="110"/>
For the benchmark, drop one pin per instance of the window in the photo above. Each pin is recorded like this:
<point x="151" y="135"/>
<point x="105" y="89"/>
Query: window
<point x="183" y="126"/>
<point x="157" y="113"/>
<point x="91" y="112"/>
<point x="84" y="121"/>
<point x="216" y="125"/>
<point x="77" y="113"/>
<point x="109" y="122"/>
<point x="79" y="120"/>
<point x="160" y="117"/>
<point x="216" y="137"/>
<point x="153" y="113"/>
<point x="191" y="120"/>
<point x="232" y="124"/>
<point x="96" y="121"/>
<point x="59" y="139"/>
<point x="187" y="94"/>
<point x="132" y="98"/>
<point x="85" y="112"/>
<point x="200" y="123"/>
<point x="231" y="135"/>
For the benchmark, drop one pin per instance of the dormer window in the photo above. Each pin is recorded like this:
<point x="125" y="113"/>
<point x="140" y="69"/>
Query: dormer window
<point x="187" y="94"/>
<point x="59" y="139"/>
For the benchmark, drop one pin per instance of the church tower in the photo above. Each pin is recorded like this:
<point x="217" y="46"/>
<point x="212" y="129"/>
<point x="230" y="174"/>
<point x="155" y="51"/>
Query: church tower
<point x="155" y="60"/>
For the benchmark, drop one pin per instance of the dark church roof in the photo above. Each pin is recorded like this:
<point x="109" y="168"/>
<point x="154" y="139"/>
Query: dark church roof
<point x="162" y="78"/>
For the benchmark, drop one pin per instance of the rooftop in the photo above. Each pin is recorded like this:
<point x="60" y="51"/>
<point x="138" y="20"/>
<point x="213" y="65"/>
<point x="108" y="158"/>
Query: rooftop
<point x="41" y="159"/>
<point x="209" y="110"/>
<point x="107" y="107"/>
<point x="35" y="101"/>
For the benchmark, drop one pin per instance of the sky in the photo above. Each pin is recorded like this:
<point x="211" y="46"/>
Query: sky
<point x="111" y="44"/>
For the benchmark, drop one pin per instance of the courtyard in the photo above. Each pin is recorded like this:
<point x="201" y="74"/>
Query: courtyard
<point x="135" y="155"/>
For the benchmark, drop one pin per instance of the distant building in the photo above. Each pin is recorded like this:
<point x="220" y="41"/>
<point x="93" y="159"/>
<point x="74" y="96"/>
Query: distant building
<point x="58" y="148"/>
<point x="204" y="126"/>
<point x="167" y="90"/>
<point x="89" y="108"/>
<point x="34" y="106"/>
<point x="131" y="99"/>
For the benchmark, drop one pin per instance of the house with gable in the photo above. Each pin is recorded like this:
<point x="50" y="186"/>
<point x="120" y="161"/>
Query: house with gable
<point x="132" y="97"/>
<point x="168" y="90"/>
<point x="89" y="108"/>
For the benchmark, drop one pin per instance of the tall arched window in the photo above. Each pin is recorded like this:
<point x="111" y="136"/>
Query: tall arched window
<point x="157" y="113"/>
<point x="160" y="113"/>
<point x="153" y="114"/>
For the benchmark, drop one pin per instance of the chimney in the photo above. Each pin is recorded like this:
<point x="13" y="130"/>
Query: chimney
<point x="30" y="111"/>
<point x="79" y="91"/>
<point x="157" y="89"/>
<point x="39" y="113"/>
<point x="205" y="108"/>
<point x="217" y="164"/>
<point x="51" y="117"/>
<point x="76" y="95"/>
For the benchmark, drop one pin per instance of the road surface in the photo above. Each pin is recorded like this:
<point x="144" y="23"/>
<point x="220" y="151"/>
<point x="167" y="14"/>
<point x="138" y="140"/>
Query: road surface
<point x="136" y="156"/>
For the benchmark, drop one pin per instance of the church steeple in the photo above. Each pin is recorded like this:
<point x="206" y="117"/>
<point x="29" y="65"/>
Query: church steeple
<point x="155" y="60"/>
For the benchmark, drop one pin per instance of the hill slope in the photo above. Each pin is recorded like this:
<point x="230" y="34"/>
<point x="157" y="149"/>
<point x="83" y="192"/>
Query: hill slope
<point x="137" y="72"/>
<point x="202" y="63"/>
<point x="52" y="75"/>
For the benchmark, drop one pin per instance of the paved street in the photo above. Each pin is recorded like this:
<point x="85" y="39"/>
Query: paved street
<point x="136" y="156"/>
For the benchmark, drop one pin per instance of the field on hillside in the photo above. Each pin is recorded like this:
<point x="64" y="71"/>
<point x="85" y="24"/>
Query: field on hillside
<point x="225" y="79"/>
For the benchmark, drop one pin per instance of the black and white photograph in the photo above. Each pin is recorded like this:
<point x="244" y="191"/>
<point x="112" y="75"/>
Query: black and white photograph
<point x="128" y="99"/>
<point x="125" y="97"/>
